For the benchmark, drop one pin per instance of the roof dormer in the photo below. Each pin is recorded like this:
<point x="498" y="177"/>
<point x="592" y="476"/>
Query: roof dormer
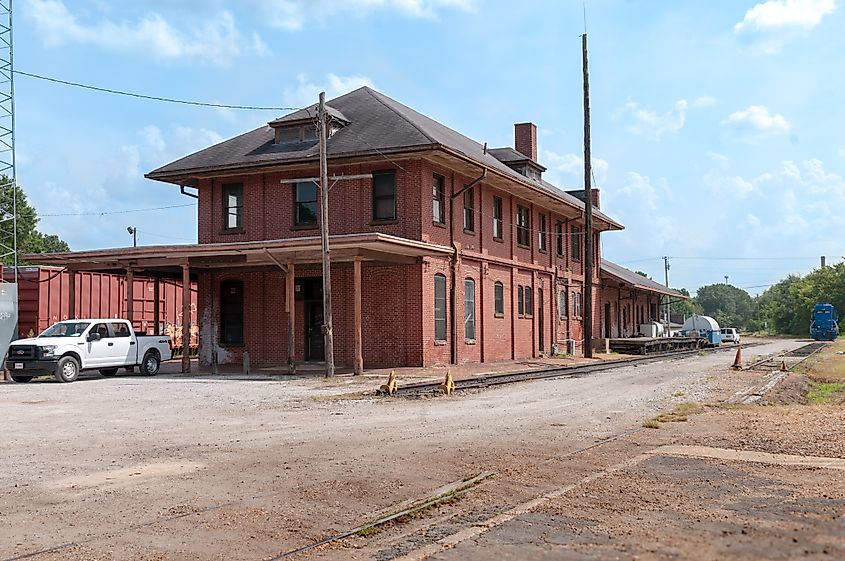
<point x="301" y="126"/>
<point x="522" y="158"/>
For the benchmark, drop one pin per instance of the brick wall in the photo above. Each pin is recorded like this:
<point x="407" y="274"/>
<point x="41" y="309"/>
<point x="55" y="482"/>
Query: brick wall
<point x="398" y="300"/>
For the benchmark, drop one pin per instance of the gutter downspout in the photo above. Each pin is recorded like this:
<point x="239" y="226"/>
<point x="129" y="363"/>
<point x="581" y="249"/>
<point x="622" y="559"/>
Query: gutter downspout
<point x="456" y="261"/>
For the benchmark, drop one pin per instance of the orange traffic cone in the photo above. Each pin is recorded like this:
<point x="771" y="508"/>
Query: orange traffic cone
<point x="738" y="360"/>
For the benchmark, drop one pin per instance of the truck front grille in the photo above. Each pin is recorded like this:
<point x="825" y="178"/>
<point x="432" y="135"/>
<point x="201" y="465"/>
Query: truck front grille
<point x="23" y="352"/>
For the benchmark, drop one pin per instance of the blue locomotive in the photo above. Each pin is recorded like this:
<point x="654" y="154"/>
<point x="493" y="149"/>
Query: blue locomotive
<point x="824" y="324"/>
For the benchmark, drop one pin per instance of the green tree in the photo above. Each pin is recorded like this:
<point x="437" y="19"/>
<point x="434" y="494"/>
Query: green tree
<point x="30" y="240"/>
<point x="728" y="305"/>
<point x="786" y="306"/>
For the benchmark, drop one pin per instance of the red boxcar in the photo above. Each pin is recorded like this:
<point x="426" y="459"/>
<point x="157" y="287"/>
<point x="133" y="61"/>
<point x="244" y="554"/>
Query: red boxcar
<point x="43" y="300"/>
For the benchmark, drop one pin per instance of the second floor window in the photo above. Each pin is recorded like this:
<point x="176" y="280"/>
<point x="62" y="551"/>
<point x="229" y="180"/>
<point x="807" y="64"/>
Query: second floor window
<point x="523" y="226"/>
<point x="384" y="195"/>
<point x="469" y="210"/>
<point x="541" y="241"/>
<point x="559" y="238"/>
<point x="233" y="206"/>
<point x="498" y="225"/>
<point x="305" y="205"/>
<point x="438" y="199"/>
<point x="576" y="244"/>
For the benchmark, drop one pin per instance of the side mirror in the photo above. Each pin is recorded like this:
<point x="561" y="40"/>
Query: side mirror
<point x="93" y="336"/>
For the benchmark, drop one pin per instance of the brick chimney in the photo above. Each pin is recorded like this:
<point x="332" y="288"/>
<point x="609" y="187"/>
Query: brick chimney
<point x="525" y="139"/>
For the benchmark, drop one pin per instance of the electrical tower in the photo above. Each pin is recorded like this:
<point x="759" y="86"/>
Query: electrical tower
<point x="8" y="209"/>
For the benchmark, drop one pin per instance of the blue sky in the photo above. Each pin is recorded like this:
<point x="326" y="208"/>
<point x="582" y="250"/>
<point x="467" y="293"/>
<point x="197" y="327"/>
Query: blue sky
<point x="718" y="127"/>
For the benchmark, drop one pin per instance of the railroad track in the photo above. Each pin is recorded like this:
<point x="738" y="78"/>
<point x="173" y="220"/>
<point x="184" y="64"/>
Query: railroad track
<point x="774" y="361"/>
<point x="486" y="381"/>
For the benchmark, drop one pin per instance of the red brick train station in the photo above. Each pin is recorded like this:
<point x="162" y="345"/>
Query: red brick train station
<point x="443" y="251"/>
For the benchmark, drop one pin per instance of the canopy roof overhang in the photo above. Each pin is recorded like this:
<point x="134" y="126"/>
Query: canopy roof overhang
<point x="625" y="278"/>
<point x="170" y="259"/>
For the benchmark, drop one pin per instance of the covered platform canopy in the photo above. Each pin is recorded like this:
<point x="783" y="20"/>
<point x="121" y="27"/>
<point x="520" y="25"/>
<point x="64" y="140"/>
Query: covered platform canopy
<point x="180" y="260"/>
<point x="635" y="280"/>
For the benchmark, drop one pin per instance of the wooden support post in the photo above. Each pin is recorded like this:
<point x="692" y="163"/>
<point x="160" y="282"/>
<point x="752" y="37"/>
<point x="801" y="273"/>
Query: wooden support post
<point x="156" y="305"/>
<point x="186" y="318"/>
<point x="71" y="296"/>
<point x="130" y="295"/>
<point x="290" y="307"/>
<point x="358" y="365"/>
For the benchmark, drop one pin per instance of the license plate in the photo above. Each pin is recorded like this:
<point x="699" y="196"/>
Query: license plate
<point x="18" y="366"/>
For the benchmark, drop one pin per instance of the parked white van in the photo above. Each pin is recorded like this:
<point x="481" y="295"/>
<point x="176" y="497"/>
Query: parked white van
<point x="730" y="335"/>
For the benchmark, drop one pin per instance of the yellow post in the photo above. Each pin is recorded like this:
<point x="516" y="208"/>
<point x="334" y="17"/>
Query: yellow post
<point x="448" y="385"/>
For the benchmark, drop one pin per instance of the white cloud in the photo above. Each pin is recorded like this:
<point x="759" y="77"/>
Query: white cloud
<point x="651" y="124"/>
<point x="804" y="14"/>
<point x="771" y="24"/>
<point x="306" y="92"/>
<point x="703" y="101"/>
<point x="647" y="193"/>
<point x="573" y="165"/>
<point x="757" y="119"/>
<point x="296" y="14"/>
<point x="216" y="39"/>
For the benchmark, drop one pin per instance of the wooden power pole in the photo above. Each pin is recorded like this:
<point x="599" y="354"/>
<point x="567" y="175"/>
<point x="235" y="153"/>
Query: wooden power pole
<point x="588" y="213"/>
<point x="322" y="118"/>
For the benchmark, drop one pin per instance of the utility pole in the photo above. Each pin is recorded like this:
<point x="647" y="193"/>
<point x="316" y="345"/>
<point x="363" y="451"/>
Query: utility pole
<point x="666" y="313"/>
<point x="134" y="231"/>
<point x="322" y="123"/>
<point x="588" y="213"/>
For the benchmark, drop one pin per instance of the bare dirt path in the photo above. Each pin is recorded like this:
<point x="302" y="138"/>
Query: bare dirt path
<point x="175" y="468"/>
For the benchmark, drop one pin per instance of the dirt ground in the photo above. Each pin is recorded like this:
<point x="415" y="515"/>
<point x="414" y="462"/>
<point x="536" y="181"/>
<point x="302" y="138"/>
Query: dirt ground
<point x="175" y="468"/>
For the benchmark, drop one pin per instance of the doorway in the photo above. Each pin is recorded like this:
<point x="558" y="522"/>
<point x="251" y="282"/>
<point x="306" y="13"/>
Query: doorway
<point x="315" y="342"/>
<point x="607" y="317"/>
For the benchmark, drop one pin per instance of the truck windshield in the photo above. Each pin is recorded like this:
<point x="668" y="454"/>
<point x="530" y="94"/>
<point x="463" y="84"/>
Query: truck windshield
<point x="66" y="329"/>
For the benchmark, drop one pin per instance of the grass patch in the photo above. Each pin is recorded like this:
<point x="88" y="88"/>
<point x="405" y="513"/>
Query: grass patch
<point x="368" y="531"/>
<point x="679" y="414"/>
<point x="824" y="392"/>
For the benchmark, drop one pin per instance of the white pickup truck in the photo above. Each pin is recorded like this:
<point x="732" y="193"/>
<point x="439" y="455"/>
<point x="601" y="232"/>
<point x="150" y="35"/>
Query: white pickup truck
<point x="69" y="347"/>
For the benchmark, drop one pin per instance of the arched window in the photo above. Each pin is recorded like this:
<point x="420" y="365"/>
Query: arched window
<point x="439" y="307"/>
<point x="529" y="302"/>
<point x="499" y="298"/>
<point x="232" y="312"/>
<point x="562" y="303"/>
<point x="469" y="310"/>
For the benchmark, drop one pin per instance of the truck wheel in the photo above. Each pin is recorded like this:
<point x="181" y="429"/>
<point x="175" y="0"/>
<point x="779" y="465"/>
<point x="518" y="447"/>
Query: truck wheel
<point x="150" y="364"/>
<point x="21" y="379"/>
<point x="108" y="371"/>
<point x="67" y="370"/>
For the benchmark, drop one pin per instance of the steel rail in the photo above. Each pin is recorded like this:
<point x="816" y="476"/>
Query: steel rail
<point x="480" y="382"/>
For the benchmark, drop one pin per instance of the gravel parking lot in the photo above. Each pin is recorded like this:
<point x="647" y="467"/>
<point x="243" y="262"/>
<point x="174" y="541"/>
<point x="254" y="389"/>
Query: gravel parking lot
<point x="210" y="468"/>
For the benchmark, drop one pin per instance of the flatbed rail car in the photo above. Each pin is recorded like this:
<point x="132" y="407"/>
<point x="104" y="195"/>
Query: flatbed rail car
<point x="649" y="345"/>
<point x="824" y="322"/>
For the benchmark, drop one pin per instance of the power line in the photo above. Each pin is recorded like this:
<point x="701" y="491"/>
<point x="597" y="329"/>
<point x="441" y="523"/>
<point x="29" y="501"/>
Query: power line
<point x="153" y="97"/>
<point x="745" y="258"/>
<point x="106" y="212"/>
